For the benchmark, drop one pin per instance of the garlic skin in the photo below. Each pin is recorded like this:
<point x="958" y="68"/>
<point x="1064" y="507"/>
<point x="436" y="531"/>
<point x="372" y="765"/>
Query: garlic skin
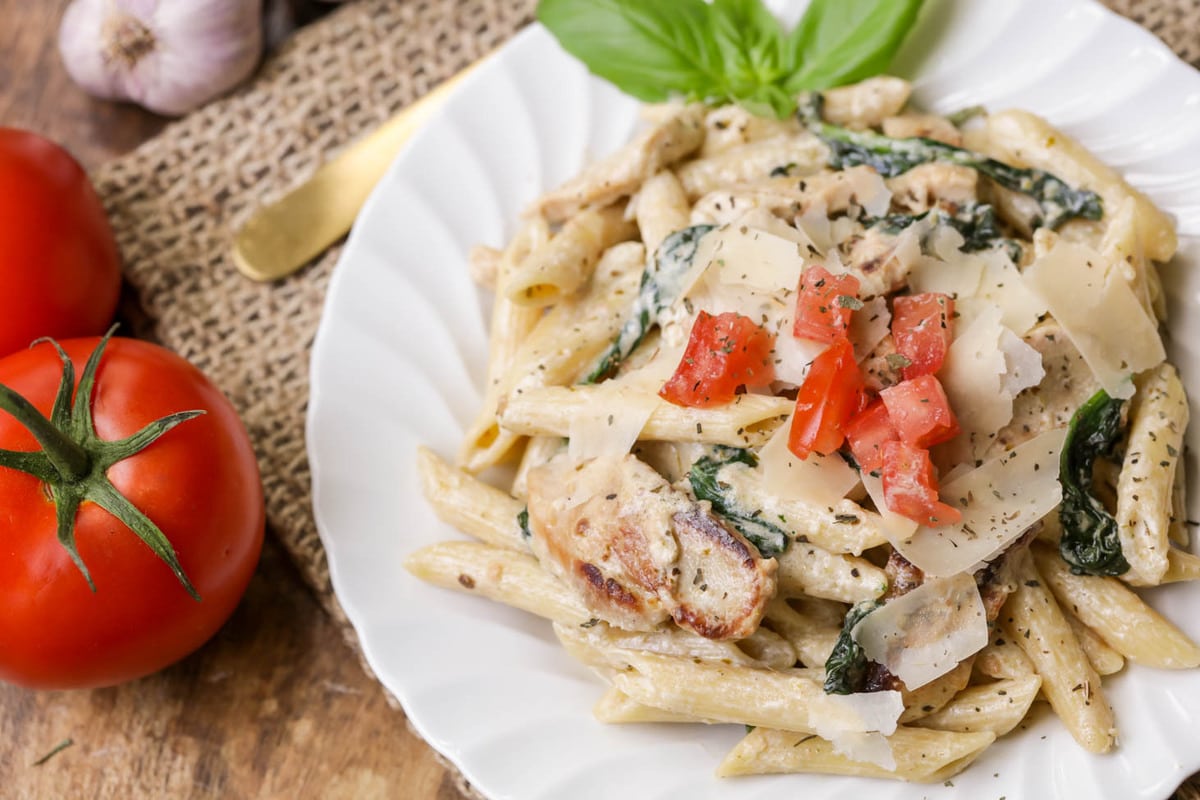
<point x="169" y="56"/>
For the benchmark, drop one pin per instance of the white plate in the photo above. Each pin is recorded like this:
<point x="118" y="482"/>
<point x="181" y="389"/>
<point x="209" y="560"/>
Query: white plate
<point x="399" y="360"/>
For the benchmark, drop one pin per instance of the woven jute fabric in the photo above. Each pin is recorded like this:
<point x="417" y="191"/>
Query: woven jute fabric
<point x="177" y="200"/>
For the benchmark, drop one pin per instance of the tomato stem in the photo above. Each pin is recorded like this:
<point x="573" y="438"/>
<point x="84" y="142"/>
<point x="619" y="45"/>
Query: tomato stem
<point x="69" y="460"/>
<point x="74" y="461"/>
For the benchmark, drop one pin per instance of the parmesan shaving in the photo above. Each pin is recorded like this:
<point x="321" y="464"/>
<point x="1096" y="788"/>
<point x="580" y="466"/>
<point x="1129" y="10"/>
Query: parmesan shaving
<point x="1099" y="312"/>
<point x="927" y="632"/>
<point x="972" y="378"/>
<point x="999" y="501"/>
<point x="894" y="526"/>
<point x="610" y="423"/>
<point x="618" y="409"/>
<point x="871" y="747"/>
<point x="869" y="326"/>
<point x="819" y="480"/>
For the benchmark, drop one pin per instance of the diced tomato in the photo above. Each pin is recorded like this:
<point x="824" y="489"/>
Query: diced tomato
<point x="824" y="303"/>
<point x="866" y="434"/>
<point x="910" y="488"/>
<point x="922" y="328"/>
<point x="830" y="395"/>
<point x="920" y="411"/>
<point x="723" y="352"/>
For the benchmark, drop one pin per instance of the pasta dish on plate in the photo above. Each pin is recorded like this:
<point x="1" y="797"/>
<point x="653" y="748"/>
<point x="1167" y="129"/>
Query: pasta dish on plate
<point x="854" y="428"/>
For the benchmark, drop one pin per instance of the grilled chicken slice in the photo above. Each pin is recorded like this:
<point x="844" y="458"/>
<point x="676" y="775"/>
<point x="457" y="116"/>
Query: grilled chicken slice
<point x="922" y="187"/>
<point x="639" y="552"/>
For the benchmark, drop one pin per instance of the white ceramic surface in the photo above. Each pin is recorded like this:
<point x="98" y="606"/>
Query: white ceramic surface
<point x="399" y="359"/>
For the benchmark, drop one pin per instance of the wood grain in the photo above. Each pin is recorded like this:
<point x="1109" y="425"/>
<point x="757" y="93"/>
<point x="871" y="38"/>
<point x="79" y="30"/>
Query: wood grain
<point x="276" y="705"/>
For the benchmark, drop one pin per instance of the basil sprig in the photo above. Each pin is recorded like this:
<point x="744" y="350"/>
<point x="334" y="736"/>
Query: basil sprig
<point x="729" y="50"/>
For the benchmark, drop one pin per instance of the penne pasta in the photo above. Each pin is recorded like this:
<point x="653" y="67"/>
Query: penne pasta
<point x="1034" y="621"/>
<point x="865" y="104"/>
<point x="921" y="755"/>
<point x="1154" y="447"/>
<point x="497" y="573"/>
<point x="470" y="505"/>
<point x="1104" y="659"/>
<point x="1181" y="566"/>
<point x="808" y="626"/>
<point x="1119" y="616"/>
<point x="1024" y="139"/>
<point x="995" y="707"/>
<point x="804" y="154"/>
<point x="805" y="568"/>
<point x="660" y="208"/>
<point x="749" y="420"/>
<point x="561" y="266"/>
<point x="678" y="132"/>
<point x="614" y="706"/>
<point x="561" y="346"/>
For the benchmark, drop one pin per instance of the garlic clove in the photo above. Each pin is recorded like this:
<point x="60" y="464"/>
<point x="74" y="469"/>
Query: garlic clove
<point x="170" y="56"/>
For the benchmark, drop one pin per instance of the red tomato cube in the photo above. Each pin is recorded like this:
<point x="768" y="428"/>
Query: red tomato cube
<point x="910" y="487"/>
<point x="723" y="352"/>
<point x="866" y="434"/>
<point x="920" y="411"/>
<point x="922" y="328"/>
<point x="824" y="303"/>
<point x="830" y="395"/>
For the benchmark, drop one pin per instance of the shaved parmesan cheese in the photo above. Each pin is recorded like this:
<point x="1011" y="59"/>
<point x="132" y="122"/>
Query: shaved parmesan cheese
<point x="946" y="242"/>
<point x="745" y="252"/>
<point x="959" y="277"/>
<point x="999" y="501"/>
<point x="839" y="717"/>
<point x="815" y="223"/>
<point x="972" y="378"/>
<point x="617" y="410"/>
<point x="792" y="355"/>
<point x="869" y="326"/>
<point x="764" y="220"/>
<point x="925" y="633"/>
<point x="1022" y="364"/>
<point x="610" y="423"/>
<point x="820" y="480"/>
<point x="1099" y="312"/>
<point x="1002" y="285"/>
<point x="869" y="190"/>
<point x="866" y="748"/>
<point x="894" y="526"/>
<point x="857" y="724"/>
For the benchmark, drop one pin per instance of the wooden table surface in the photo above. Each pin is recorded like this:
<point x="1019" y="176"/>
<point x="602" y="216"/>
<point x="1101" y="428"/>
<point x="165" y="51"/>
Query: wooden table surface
<point x="276" y="705"/>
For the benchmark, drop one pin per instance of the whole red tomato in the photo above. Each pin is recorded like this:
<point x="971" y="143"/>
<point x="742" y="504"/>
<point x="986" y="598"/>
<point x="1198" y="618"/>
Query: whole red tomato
<point x="198" y="482"/>
<point x="59" y="266"/>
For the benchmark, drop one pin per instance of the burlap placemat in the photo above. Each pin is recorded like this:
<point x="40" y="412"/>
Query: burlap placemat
<point x="176" y="201"/>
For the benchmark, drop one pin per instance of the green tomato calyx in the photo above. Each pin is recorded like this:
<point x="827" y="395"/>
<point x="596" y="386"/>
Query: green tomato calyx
<point x="73" y="462"/>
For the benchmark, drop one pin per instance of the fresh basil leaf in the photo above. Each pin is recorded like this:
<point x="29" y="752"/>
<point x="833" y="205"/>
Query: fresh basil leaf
<point x="650" y="50"/>
<point x="751" y="44"/>
<point x="844" y="41"/>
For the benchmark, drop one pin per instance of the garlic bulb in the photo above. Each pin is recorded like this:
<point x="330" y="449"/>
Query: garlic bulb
<point x="167" y="55"/>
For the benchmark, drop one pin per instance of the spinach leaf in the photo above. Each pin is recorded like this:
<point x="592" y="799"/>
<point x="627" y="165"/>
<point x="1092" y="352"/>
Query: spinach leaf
<point x="523" y="523"/>
<point x="889" y="157"/>
<point x="975" y="221"/>
<point x="1090" y="543"/>
<point x="660" y="287"/>
<point x="846" y="667"/>
<point x="845" y="41"/>
<point x="771" y="540"/>
<point x="729" y="50"/>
